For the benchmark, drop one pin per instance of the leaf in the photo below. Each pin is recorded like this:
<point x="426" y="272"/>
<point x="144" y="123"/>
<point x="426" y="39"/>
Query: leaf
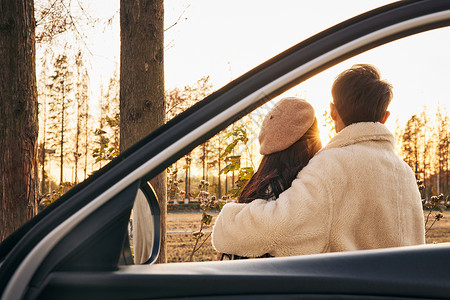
<point x="194" y="195"/>
<point x="240" y="183"/>
<point x="233" y="158"/>
<point x="46" y="202"/>
<point x="234" y="166"/>
<point x="242" y="134"/>
<point x="228" y="150"/>
<point x="220" y="205"/>
<point x="234" y="193"/>
<point x="206" y="218"/>
<point x="197" y="234"/>
<point x="228" y="134"/>
<point x="246" y="173"/>
<point x="99" y="131"/>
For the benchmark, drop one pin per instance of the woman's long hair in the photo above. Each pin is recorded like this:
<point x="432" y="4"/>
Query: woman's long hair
<point x="277" y="170"/>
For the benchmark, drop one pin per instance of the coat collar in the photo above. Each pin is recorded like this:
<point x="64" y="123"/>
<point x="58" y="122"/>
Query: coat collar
<point x="361" y="132"/>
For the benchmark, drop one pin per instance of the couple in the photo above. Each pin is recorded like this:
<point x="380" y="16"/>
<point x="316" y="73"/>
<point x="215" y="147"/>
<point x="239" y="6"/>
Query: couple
<point x="353" y="194"/>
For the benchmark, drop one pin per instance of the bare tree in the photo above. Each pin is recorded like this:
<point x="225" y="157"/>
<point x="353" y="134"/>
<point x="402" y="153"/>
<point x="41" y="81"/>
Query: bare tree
<point x="412" y="144"/>
<point x="60" y="86"/>
<point x="442" y="151"/>
<point x="18" y="115"/>
<point x="81" y="98"/>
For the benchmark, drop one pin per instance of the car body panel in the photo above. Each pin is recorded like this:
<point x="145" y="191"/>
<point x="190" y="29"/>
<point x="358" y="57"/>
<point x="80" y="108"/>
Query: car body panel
<point x="380" y="273"/>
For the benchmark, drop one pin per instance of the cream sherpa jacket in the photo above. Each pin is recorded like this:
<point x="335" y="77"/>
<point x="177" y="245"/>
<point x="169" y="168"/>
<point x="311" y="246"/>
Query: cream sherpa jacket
<point x="356" y="193"/>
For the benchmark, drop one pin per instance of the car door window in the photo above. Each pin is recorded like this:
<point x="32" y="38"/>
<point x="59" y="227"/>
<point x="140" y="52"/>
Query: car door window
<point x="416" y="67"/>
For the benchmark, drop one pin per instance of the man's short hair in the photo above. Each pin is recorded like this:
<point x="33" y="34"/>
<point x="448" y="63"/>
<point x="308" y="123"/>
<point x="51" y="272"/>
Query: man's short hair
<point x="360" y="95"/>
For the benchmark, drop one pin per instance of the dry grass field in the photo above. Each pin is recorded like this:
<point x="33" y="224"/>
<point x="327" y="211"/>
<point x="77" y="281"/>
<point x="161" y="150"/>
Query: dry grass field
<point x="440" y="232"/>
<point x="179" y="245"/>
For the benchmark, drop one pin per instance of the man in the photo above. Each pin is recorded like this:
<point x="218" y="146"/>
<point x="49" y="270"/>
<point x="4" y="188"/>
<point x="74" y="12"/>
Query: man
<point x="355" y="194"/>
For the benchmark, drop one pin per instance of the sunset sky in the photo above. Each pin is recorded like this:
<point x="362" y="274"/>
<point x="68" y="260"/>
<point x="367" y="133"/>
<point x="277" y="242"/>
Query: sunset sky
<point x="225" y="39"/>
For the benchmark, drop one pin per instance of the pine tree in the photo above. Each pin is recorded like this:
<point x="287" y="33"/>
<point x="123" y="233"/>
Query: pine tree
<point x="42" y="99"/>
<point x="426" y="151"/>
<point x="60" y="88"/>
<point x="442" y="151"/>
<point x="108" y="132"/>
<point x="81" y="99"/>
<point x="177" y="101"/>
<point x="112" y="97"/>
<point x="412" y="141"/>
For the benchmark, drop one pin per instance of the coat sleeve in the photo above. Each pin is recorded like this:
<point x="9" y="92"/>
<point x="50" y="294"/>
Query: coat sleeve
<point x="296" y="223"/>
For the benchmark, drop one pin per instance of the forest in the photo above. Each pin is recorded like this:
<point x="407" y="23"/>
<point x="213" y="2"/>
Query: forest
<point x="76" y="138"/>
<point x="423" y="143"/>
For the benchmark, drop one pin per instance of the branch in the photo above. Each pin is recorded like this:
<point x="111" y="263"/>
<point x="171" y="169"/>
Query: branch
<point x="179" y="18"/>
<point x="76" y="28"/>
<point x="196" y="242"/>
<point x="169" y="45"/>
<point x="84" y="12"/>
<point x="429" y="213"/>
<point x="250" y="155"/>
<point x="173" y="107"/>
<point x="430" y="226"/>
<point x="206" y="238"/>
<point x="47" y="12"/>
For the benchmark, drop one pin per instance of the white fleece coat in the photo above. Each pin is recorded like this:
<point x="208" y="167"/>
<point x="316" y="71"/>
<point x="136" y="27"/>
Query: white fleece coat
<point x="355" y="194"/>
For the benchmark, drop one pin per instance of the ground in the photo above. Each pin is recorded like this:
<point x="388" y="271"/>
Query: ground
<point x="440" y="232"/>
<point x="180" y="243"/>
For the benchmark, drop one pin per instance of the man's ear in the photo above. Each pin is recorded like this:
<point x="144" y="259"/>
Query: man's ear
<point x="333" y="111"/>
<point x="386" y="116"/>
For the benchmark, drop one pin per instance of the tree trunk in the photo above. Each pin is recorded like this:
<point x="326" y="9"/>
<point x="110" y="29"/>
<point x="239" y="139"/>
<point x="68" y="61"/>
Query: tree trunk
<point x="142" y="84"/>
<point x="219" y="187"/>
<point x="186" y="180"/>
<point x="61" y="175"/>
<point x="43" y="167"/>
<point x="86" y="141"/>
<point x="78" y="130"/>
<point x="188" y="190"/>
<point x="18" y="115"/>
<point x="43" y="146"/>
<point x="204" y="161"/>
<point x="77" y="140"/>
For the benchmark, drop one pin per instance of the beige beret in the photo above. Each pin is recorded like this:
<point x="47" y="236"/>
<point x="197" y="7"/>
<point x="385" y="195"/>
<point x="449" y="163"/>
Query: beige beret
<point x="285" y="124"/>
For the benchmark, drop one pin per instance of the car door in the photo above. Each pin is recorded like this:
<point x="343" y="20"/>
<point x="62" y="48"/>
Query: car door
<point x="73" y="249"/>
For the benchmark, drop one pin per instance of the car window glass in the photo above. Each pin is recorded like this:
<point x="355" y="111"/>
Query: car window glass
<point x="203" y="180"/>
<point x="416" y="66"/>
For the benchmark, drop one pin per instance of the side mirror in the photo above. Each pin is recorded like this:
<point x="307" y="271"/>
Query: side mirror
<point x="144" y="234"/>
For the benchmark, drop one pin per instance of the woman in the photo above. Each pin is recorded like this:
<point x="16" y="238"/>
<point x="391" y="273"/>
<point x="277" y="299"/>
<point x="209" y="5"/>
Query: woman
<point x="289" y="138"/>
